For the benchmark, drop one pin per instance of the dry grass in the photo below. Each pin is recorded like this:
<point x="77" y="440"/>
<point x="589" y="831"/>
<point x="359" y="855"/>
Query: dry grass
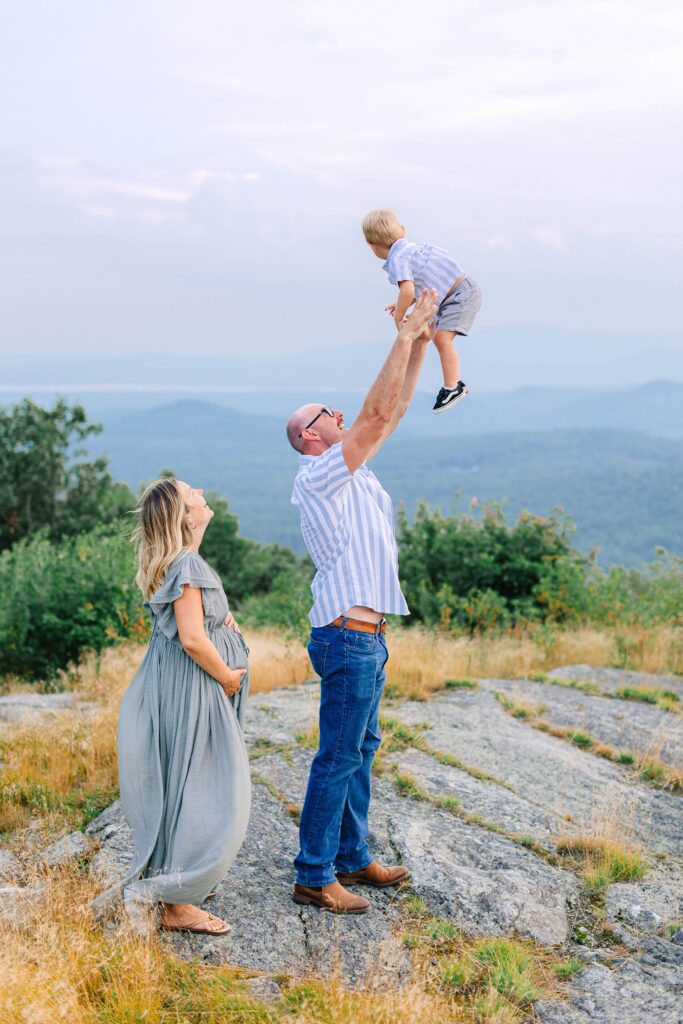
<point x="64" y="967"/>
<point x="64" y="768"/>
<point x="275" y="662"/>
<point x="519" y="708"/>
<point x="61" y="966"/>
<point x="602" y="852"/>
<point x="422" y="660"/>
<point x="650" y="767"/>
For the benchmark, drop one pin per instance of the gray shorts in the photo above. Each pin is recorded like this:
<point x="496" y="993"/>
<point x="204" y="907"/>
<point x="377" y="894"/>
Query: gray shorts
<point x="457" y="312"/>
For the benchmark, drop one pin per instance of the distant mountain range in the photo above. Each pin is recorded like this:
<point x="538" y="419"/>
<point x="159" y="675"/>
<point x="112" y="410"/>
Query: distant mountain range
<point x="493" y="359"/>
<point x="613" y="459"/>
<point x="623" y="487"/>
<point x="655" y="408"/>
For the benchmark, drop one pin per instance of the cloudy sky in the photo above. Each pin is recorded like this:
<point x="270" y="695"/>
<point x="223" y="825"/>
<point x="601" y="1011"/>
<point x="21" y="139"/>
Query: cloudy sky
<point x="185" y="177"/>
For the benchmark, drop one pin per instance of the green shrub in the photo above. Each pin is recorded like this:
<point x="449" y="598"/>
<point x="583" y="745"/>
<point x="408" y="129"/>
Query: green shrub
<point x="479" y="573"/>
<point x="247" y="567"/>
<point x="59" y="600"/>
<point x="285" y="606"/>
<point x="638" y="597"/>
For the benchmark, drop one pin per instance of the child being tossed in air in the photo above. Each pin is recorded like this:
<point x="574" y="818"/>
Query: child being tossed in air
<point x="413" y="267"/>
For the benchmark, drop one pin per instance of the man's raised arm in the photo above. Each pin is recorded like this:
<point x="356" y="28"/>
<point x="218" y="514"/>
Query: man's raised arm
<point x="374" y="422"/>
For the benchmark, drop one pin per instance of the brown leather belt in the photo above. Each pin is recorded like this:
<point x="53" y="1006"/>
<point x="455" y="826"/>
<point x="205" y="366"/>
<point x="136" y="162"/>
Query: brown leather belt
<point x="360" y="625"/>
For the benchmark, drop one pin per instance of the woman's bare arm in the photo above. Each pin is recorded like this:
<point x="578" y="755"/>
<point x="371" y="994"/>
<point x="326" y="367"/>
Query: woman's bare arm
<point x="189" y="615"/>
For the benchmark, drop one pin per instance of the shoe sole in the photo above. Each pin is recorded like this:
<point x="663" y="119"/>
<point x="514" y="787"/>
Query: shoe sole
<point x="194" y="931"/>
<point x="306" y="901"/>
<point x="450" y="405"/>
<point x="345" y="881"/>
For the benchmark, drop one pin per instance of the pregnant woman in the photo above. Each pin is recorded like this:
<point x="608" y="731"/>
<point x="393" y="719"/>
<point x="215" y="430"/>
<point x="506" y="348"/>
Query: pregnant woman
<point x="183" y="766"/>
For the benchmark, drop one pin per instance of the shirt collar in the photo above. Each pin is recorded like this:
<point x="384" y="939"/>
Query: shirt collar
<point x="304" y="459"/>
<point x="396" y="247"/>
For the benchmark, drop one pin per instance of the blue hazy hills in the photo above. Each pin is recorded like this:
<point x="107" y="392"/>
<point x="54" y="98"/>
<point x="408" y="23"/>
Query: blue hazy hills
<point x="613" y="460"/>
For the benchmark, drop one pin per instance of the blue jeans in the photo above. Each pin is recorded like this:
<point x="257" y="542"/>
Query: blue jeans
<point x="334" y="820"/>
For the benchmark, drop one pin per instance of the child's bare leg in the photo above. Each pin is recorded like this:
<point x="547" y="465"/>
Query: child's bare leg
<point x="448" y="354"/>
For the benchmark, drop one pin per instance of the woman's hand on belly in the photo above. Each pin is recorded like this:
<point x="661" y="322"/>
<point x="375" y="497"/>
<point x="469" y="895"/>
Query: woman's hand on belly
<point x="234" y="677"/>
<point x="230" y="622"/>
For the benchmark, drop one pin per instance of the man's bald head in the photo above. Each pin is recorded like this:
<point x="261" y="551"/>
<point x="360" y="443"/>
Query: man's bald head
<point x="326" y="431"/>
<point x="296" y="423"/>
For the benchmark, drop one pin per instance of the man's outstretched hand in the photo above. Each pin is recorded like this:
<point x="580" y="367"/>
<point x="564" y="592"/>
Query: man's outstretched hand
<point x="417" y="324"/>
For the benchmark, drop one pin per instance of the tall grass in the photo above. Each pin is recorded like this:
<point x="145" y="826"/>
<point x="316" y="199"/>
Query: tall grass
<point x="421" y="660"/>
<point x="276" y="662"/>
<point x="604" y="850"/>
<point x="61" y="966"/>
<point x="64" y="768"/>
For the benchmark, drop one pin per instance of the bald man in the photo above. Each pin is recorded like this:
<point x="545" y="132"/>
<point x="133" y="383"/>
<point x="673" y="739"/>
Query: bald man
<point x="348" y="527"/>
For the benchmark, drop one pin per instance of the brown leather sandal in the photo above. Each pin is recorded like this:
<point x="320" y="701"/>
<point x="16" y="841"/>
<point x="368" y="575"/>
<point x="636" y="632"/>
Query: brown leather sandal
<point x="199" y="927"/>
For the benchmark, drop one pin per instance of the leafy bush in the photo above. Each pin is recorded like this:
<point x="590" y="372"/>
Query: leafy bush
<point x="59" y="600"/>
<point x="639" y="597"/>
<point x="478" y="573"/>
<point x="285" y="606"/>
<point x="474" y="573"/>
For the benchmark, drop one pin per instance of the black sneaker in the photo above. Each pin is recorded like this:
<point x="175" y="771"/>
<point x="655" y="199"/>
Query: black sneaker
<point x="448" y="397"/>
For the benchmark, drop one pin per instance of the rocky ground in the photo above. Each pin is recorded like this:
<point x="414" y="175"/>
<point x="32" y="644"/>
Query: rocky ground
<point x="474" y="801"/>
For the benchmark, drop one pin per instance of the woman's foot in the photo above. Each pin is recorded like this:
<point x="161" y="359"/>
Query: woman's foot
<point x="183" y="917"/>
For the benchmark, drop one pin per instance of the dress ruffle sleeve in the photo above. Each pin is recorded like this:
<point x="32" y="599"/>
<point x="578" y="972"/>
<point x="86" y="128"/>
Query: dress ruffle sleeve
<point x="188" y="569"/>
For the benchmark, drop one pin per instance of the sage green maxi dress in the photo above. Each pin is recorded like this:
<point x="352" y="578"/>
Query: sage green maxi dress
<point x="183" y="765"/>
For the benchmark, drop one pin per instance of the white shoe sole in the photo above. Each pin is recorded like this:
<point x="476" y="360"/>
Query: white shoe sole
<point x="445" y="408"/>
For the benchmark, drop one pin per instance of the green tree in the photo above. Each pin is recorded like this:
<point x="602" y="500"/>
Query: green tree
<point x="46" y="480"/>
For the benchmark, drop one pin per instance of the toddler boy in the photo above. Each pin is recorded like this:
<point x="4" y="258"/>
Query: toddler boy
<point x="413" y="267"/>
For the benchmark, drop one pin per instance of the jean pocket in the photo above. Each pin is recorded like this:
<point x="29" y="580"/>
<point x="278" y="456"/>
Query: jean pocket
<point x="317" y="652"/>
<point x="363" y="642"/>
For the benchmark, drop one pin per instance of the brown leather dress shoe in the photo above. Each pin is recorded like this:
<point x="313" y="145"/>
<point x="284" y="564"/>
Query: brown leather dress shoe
<point x="376" y="875"/>
<point x="333" y="897"/>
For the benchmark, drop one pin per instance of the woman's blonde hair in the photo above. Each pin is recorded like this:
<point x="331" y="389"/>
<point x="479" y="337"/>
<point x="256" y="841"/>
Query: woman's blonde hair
<point x="382" y="227"/>
<point x="161" y="532"/>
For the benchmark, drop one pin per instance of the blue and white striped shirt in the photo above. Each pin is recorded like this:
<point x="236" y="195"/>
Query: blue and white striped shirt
<point x="426" y="265"/>
<point x="347" y="522"/>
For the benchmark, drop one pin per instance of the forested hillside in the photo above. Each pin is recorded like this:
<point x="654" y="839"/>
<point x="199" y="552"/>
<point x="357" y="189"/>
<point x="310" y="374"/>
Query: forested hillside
<point x="624" y="489"/>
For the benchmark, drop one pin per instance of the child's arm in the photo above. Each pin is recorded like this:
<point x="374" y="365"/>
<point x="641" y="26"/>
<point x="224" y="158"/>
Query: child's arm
<point x="406" y="297"/>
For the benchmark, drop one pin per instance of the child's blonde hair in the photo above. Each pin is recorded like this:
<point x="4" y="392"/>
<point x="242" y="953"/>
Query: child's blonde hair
<point x="161" y="533"/>
<point x="382" y="227"/>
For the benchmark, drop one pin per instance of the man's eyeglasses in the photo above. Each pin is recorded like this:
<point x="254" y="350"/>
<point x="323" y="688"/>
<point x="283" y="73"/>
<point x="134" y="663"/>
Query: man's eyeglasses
<point x="325" y="411"/>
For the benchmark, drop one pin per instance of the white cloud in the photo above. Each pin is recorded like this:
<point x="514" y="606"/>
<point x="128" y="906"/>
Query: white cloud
<point x="549" y="238"/>
<point x="499" y="242"/>
<point x="127" y="189"/>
